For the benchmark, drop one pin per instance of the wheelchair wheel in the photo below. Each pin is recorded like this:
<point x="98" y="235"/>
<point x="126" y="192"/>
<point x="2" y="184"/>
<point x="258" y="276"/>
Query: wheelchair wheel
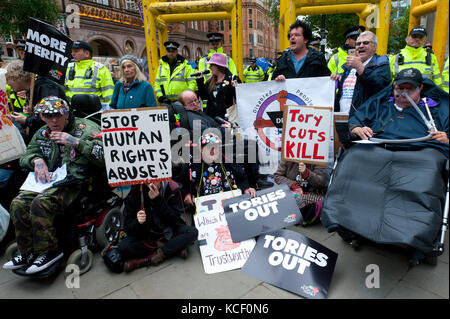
<point x="11" y="251"/>
<point x="110" y="227"/>
<point x="75" y="258"/>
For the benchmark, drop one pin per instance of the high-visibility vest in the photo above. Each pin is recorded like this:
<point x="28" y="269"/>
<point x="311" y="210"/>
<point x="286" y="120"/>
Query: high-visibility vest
<point x="17" y="102"/>
<point x="202" y="66"/>
<point x="418" y="58"/>
<point x="89" y="77"/>
<point x="337" y="61"/>
<point x="174" y="83"/>
<point x="445" y="77"/>
<point x="251" y="75"/>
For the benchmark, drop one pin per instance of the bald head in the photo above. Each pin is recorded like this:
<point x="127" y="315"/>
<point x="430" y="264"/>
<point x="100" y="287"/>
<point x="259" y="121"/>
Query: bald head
<point x="190" y="100"/>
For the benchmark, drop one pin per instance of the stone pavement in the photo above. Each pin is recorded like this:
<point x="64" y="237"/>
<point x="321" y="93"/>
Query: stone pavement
<point x="185" y="279"/>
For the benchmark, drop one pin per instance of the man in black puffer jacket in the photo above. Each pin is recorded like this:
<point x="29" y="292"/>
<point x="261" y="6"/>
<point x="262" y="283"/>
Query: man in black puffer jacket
<point x="299" y="61"/>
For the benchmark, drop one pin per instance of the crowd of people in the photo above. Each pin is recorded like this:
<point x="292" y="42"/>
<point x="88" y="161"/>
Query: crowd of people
<point x="55" y="137"/>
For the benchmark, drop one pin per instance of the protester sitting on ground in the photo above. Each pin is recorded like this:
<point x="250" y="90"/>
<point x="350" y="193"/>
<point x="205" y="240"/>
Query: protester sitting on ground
<point x="210" y="174"/>
<point x="132" y="89"/>
<point x="309" y="183"/>
<point x="65" y="140"/>
<point x="155" y="231"/>
<point x="20" y="81"/>
<point x="219" y="90"/>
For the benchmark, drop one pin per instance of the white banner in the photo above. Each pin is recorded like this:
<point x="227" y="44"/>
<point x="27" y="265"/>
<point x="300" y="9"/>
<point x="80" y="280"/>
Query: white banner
<point x="306" y="134"/>
<point x="12" y="145"/>
<point x="136" y="143"/>
<point x="260" y="107"/>
<point x="218" y="251"/>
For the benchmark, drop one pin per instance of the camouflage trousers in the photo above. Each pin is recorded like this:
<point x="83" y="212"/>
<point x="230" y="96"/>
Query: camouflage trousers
<point x="33" y="217"/>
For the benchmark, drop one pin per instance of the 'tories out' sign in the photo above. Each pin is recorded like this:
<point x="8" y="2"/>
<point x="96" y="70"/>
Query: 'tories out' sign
<point x="272" y="209"/>
<point x="136" y="143"/>
<point x="291" y="261"/>
<point x="306" y="134"/>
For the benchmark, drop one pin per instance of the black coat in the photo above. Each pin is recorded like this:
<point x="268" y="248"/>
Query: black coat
<point x="314" y="65"/>
<point x="161" y="215"/>
<point x="376" y="77"/>
<point x="222" y="98"/>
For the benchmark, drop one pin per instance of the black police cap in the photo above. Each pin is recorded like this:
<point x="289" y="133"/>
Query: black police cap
<point x="215" y="37"/>
<point x="418" y="31"/>
<point x="82" y="45"/>
<point x="354" y="31"/>
<point x="171" y="45"/>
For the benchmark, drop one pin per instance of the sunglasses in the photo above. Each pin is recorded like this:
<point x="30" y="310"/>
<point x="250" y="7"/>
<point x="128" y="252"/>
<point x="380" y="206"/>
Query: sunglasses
<point x="363" y="42"/>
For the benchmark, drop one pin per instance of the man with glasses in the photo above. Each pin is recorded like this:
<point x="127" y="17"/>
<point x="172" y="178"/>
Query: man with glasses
<point x="364" y="74"/>
<point x="414" y="55"/>
<point x="173" y="75"/>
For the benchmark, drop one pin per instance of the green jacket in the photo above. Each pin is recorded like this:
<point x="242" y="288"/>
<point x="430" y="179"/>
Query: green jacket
<point x="416" y="58"/>
<point x="176" y="82"/>
<point x="98" y="82"/>
<point x="81" y="160"/>
<point x="337" y="61"/>
<point x="445" y="77"/>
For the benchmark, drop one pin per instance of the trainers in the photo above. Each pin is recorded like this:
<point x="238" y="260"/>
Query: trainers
<point x="44" y="261"/>
<point x="15" y="263"/>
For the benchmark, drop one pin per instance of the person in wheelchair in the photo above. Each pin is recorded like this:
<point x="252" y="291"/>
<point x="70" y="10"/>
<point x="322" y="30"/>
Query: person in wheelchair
<point x="154" y="227"/>
<point x="64" y="140"/>
<point x="389" y="188"/>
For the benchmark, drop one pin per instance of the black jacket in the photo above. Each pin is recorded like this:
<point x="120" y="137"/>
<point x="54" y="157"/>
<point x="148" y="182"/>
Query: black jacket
<point x="376" y="77"/>
<point x="220" y="99"/>
<point x="314" y="65"/>
<point x="161" y="215"/>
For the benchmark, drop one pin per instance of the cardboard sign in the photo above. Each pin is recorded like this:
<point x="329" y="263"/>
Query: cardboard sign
<point x="306" y="134"/>
<point x="48" y="51"/>
<point x="136" y="143"/>
<point x="272" y="209"/>
<point x="291" y="261"/>
<point x="12" y="145"/>
<point x="260" y="106"/>
<point x="219" y="253"/>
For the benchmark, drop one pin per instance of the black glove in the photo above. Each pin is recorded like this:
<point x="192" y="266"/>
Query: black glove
<point x="164" y="100"/>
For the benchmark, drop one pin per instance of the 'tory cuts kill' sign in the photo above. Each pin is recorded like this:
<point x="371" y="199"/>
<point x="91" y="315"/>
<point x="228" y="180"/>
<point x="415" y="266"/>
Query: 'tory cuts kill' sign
<point x="273" y="208"/>
<point x="291" y="261"/>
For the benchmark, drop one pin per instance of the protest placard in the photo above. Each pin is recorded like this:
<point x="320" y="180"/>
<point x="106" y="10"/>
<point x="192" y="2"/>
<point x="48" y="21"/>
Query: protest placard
<point x="272" y="209"/>
<point x="291" y="261"/>
<point x="136" y="143"/>
<point x="12" y="145"/>
<point x="48" y="51"/>
<point x="306" y="134"/>
<point x="260" y="108"/>
<point x="219" y="253"/>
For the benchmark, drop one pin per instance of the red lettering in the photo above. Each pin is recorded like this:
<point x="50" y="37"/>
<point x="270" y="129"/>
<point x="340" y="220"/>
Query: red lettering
<point x="311" y="133"/>
<point x="299" y="147"/>
<point x="316" y="149"/>
<point x="304" y="151"/>
<point x="300" y="135"/>
<point x="307" y="117"/>
<point x="293" y="112"/>
<point x="322" y="137"/>
<point x="290" y="132"/>
<point x="289" y="146"/>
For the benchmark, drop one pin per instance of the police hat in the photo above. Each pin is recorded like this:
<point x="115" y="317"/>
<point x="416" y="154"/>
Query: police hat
<point x="171" y="45"/>
<point x="82" y="45"/>
<point x="354" y="31"/>
<point x="410" y="75"/>
<point x="215" y="37"/>
<point x="418" y="31"/>
<point x="253" y="60"/>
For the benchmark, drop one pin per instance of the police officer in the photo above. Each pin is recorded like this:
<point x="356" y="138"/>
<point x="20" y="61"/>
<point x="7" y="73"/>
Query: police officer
<point x="253" y="73"/>
<point x="20" y="48"/>
<point x="445" y="77"/>
<point x="337" y="60"/>
<point x="86" y="76"/>
<point x="173" y="75"/>
<point x="215" y="46"/>
<point x="414" y="55"/>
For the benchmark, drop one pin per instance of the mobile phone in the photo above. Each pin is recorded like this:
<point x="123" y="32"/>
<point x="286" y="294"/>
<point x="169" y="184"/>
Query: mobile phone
<point x="351" y="52"/>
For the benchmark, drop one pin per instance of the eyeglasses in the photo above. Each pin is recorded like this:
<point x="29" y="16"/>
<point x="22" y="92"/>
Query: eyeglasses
<point x="194" y="103"/>
<point x="363" y="42"/>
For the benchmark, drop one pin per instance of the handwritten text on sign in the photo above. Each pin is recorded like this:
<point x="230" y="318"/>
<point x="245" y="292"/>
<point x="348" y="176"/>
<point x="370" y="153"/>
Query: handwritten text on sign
<point x="306" y="134"/>
<point x="137" y="145"/>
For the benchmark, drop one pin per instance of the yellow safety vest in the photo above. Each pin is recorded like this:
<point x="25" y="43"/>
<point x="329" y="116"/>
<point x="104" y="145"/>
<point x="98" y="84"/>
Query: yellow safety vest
<point x="418" y="58"/>
<point x="174" y="83"/>
<point x="445" y="77"/>
<point x="337" y="61"/>
<point x="202" y="66"/>
<point x="251" y="75"/>
<point x="89" y="77"/>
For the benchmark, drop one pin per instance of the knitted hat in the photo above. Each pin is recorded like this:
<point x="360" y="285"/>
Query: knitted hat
<point x="133" y="59"/>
